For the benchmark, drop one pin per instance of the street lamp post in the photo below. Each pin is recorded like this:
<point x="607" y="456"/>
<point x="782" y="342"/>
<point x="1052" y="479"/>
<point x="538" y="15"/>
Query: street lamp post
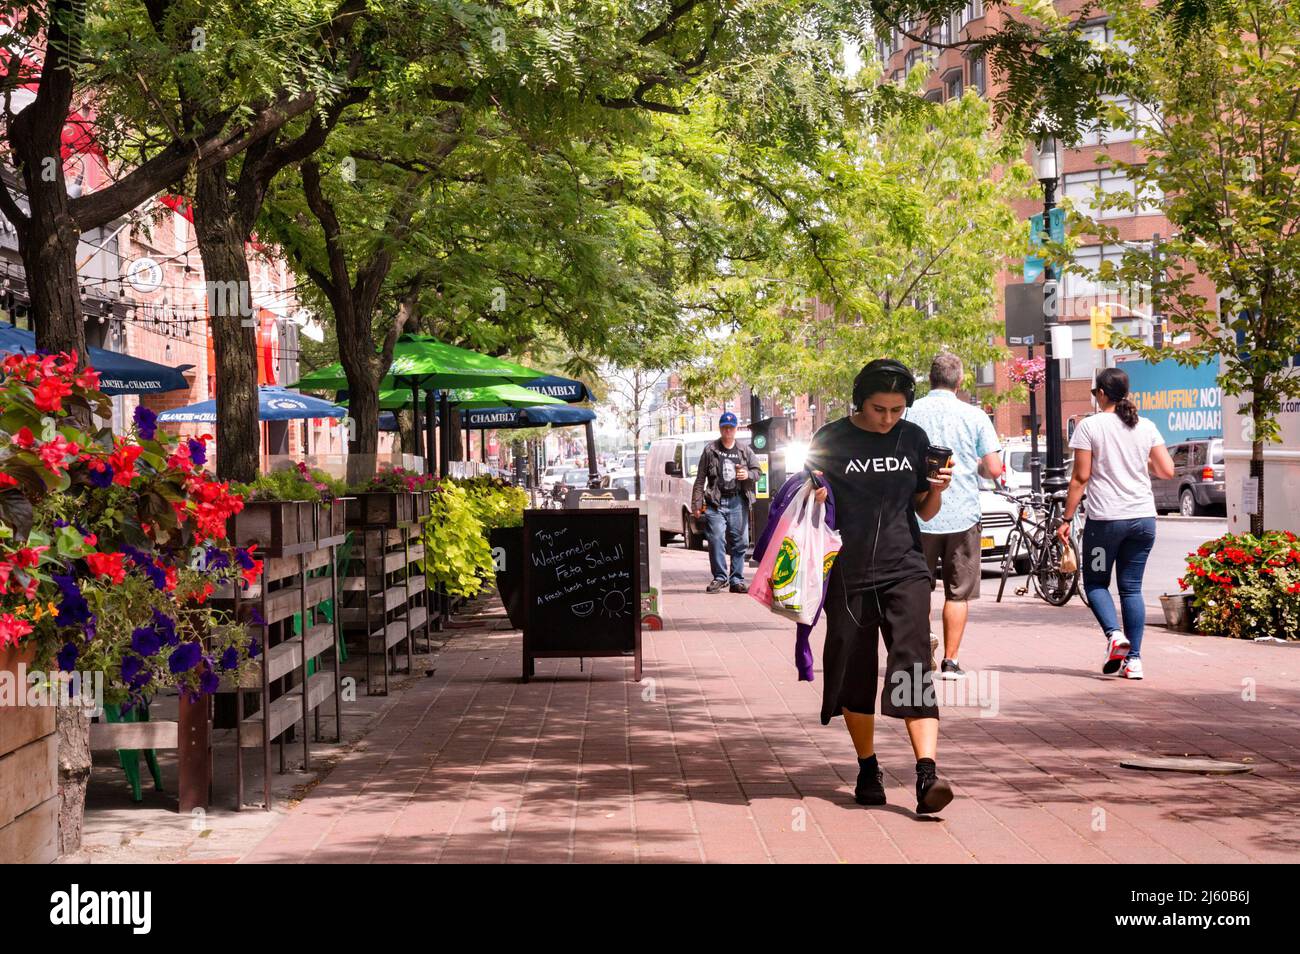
<point x="1047" y="169"/>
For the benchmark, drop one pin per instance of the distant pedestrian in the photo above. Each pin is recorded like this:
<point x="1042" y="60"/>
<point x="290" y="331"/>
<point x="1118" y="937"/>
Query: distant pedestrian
<point x="723" y="494"/>
<point x="875" y="464"/>
<point x="952" y="537"/>
<point x="1115" y="453"/>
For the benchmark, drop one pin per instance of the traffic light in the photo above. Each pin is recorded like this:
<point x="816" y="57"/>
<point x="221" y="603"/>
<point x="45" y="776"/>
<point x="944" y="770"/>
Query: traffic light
<point x="1101" y="326"/>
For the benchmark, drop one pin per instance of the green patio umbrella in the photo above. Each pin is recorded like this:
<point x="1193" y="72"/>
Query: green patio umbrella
<point x="421" y="363"/>
<point x="490" y="395"/>
<point x="432" y="365"/>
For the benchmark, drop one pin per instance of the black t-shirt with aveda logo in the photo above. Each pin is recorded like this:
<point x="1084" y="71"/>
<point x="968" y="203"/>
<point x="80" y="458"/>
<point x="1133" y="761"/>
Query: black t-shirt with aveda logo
<point x="874" y="478"/>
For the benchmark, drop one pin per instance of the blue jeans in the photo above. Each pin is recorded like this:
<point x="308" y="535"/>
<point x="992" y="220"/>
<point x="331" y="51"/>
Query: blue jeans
<point x="728" y="534"/>
<point x="1124" y="545"/>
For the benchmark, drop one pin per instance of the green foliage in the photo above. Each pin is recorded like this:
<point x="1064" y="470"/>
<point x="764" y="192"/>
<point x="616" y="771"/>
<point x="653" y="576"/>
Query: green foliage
<point x="898" y="229"/>
<point x="457" y="554"/>
<point x="291" y="484"/>
<point x="1220" y="159"/>
<point x="496" y="503"/>
<point x="1246" y="586"/>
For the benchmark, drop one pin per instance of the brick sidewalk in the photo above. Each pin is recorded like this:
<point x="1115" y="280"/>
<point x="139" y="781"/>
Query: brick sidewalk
<point x="719" y="754"/>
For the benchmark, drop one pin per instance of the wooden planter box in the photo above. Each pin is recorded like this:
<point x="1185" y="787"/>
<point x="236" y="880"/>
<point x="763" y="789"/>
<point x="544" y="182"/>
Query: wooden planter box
<point x="29" y="774"/>
<point x="381" y="508"/>
<point x="278" y="527"/>
<point x="423" y="502"/>
<point x="332" y="522"/>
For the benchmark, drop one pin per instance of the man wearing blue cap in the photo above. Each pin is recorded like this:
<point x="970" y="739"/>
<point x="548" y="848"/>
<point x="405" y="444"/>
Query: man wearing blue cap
<point x="723" y="494"/>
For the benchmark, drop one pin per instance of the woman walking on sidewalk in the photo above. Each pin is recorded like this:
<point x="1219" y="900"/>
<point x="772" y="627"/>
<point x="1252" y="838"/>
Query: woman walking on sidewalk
<point x="1115" y="452"/>
<point x="875" y="463"/>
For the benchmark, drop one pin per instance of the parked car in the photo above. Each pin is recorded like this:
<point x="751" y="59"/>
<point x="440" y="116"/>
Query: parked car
<point x="668" y="478"/>
<point x="552" y="476"/>
<point x="1197" y="485"/>
<point x="625" y="479"/>
<point x="1016" y="455"/>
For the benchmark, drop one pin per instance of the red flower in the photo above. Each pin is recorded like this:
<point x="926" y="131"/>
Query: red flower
<point x="88" y="379"/>
<point x="169" y="572"/>
<point x="12" y="630"/>
<point x="90" y="540"/>
<point x="24" y="438"/>
<point x="122" y="461"/>
<point x="54" y="454"/>
<point x="107" y="564"/>
<point x="8" y="480"/>
<point x="50" y="393"/>
<point x="29" y="556"/>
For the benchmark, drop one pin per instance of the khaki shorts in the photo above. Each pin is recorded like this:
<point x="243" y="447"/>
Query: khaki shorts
<point x="960" y="555"/>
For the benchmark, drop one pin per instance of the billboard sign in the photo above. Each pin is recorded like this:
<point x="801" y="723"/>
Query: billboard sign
<point x="1183" y="402"/>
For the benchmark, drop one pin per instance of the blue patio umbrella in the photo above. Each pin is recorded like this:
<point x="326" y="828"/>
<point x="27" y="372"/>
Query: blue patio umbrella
<point x="566" y="389"/>
<point x="494" y="418"/>
<point x="273" y="404"/>
<point x="118" y="373"/>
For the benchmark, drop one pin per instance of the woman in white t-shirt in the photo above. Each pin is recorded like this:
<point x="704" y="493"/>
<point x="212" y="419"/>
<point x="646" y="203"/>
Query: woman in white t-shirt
<point x="1115" y="453"/>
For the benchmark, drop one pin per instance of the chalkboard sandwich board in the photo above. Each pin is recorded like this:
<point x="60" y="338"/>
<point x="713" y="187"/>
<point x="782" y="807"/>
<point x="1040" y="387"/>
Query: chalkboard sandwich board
<point x="582" y="585"/>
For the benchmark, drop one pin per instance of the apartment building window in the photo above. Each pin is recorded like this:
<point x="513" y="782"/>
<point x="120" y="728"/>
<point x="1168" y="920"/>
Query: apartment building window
<point x="1075" y="284"/>
<point x="973" y="10"/>
<point x="1103" y="34"/>
<point x="1139" y="117"/>
<point x="952" y="84"/>
<point x="984" y="374"/>
<point x="977" y="79"/>
<point x="1084" y="363"/>
<point x="1083" y="187"/>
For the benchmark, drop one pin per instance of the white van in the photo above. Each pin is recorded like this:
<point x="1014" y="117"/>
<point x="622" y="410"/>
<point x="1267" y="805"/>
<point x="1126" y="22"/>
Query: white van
<point x="670" y="469"/>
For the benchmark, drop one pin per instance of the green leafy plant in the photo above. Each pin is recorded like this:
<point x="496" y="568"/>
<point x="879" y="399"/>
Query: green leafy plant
<point x="496" y="503"/>
<point x="457" y="554"/>
<point x="1245" y="586"/>
<point x="301" y="483"/>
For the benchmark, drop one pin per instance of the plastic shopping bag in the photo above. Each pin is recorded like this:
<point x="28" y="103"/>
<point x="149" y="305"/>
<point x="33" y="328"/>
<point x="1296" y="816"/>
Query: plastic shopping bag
<point x="798" y="559"/>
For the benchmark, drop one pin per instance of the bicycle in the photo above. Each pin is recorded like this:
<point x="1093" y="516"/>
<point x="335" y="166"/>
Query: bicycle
<point x="1034" y="533"/>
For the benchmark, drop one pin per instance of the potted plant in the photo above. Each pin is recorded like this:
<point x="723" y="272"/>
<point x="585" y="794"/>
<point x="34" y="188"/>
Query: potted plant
<point x="390" y="499"/>
<point x="103" y="554"/>
<point x="1246" y="587"/>
<point x="291" y="511"/>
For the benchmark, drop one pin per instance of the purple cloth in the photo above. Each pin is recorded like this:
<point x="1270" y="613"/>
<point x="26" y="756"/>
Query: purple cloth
<point x="803" y="657"/>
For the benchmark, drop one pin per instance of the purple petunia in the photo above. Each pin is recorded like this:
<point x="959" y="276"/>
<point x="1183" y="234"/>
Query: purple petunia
<point x="145" y="641"/>
<point x="198" y="452"/>
<point x="131" y="667"/>
<point x="209" y="682"/>
<point x="166" y="627"/>
<point x="146" y="422"/>
<point x="230" y="658"/>
<point x="215" y="558"/>
<point x="73" y="608"/>
<point x="68" y="657"/>
<point x="103" y="477"/>
<point x="254" y="647"/>
<point x="255" y="616"/>
<point x="184" y="657"/>
<point x="244" y="559"/>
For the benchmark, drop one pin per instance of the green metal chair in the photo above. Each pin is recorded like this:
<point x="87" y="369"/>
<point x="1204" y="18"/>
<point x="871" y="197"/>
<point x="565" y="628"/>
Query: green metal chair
<point x="326" y="609"/>
<point x="130" y="758"/>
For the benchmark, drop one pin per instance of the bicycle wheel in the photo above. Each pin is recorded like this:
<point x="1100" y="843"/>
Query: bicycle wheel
<point x="1015" y="544"/>
<point x="1054" y="585"/>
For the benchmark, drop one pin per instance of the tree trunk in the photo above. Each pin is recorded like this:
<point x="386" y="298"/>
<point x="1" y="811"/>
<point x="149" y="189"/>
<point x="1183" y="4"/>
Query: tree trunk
<point x="72" y="725"/>
<point x="233" y="322"/>
<point x="50" y="260"/>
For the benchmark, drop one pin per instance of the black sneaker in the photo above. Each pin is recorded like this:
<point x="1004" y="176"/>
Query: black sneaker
<point x="870" y="789"/>
<point x="932" y="792"/>
<point x="950" y="670"/>
<point x="715" y="587"/>
<point x="739" y="588"/>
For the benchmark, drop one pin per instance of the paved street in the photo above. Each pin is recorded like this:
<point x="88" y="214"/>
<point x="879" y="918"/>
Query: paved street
<point x="719" y="755"/>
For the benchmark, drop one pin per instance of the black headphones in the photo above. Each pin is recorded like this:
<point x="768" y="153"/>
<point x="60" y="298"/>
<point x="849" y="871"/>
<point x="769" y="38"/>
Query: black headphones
<point x="883" y="374"/>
